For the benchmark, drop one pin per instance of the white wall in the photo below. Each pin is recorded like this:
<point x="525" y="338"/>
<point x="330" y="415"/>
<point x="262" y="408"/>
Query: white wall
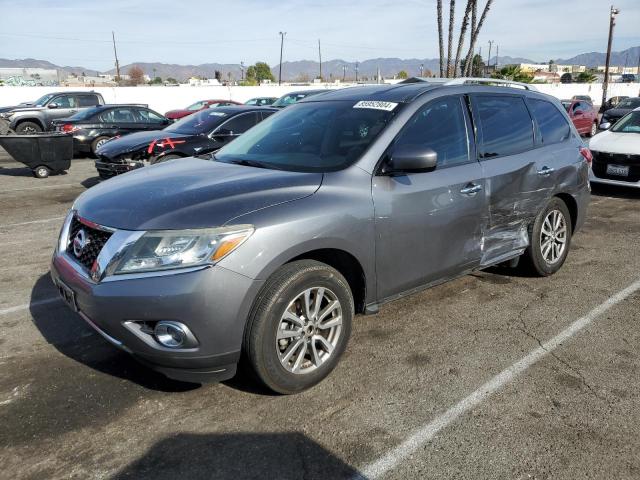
<point x="163" y="99"/>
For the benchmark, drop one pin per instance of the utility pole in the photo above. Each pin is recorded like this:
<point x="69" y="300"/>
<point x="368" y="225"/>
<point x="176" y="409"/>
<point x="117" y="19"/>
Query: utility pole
<point x="282" y="34"/>
<point x="115" y="53"/>
<point x="320" y="57"/>
<point x="356" y="72"/>
<point x="422" y="69"/>
<point x="344" y="73"/>
<point x="638" y="70"/>
<point x="612" y="22"/>
<point x="489" y="58"/>
<point x="497" y="55"/>
<point x="242" y="71"/>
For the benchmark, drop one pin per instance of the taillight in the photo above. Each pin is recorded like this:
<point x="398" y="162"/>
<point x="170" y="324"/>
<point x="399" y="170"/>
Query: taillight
<point x="68" y="128"/>
<point x="586" y="153"/>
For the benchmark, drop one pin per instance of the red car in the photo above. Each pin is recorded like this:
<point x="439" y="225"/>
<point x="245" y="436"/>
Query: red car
<point x="583" y="116"/>
<point x="196" y="107"/>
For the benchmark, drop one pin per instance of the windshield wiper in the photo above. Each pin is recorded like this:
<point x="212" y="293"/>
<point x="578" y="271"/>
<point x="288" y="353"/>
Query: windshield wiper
<point x="248" y="163"/>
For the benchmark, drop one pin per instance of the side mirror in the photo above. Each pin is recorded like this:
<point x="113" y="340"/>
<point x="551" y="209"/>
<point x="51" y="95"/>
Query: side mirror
<point x="605" y="126"/>
<point x="413" y="158"/>
<point x="52" y="105"/>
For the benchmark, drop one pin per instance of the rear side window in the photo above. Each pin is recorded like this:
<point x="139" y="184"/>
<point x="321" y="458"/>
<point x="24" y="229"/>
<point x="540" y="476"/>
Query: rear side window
<point x="239" y="124"/>
<point x="118" y="115"/>
<point x="147" y="116"/>
<point x="88" y="100"/>
<point x="552" y="124"/>
<point x="504" y="125"/>
<point x="441" y="126"/>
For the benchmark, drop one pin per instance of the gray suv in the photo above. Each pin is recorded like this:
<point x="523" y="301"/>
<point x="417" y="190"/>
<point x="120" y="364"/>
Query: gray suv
<point x="333" y="206"/>
<point x="39" y="116"/>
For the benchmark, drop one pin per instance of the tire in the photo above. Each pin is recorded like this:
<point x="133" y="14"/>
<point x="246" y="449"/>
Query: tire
<point x="594" y="129"/>
<point x="278" y="363"/>
<point x="542" y="258"/>
<point x="28" y="128"/>
<point x="165" y="158"/>
<point x="97" y="143"/>
<point x="41" y="171"/>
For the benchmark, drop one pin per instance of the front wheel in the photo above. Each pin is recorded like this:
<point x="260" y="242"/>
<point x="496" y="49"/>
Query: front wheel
<point x="28" y="128"/>
<point x="300" y="326"/>
<point x="549" y="239"/>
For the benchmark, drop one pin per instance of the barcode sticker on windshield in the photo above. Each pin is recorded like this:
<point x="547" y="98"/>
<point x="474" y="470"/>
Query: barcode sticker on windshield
<point x="376" y="105"/>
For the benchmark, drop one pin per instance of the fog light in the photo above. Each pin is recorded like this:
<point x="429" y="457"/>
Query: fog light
<point x="170" y="334"/>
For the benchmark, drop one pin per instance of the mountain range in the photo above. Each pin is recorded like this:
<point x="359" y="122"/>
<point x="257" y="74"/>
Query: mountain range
<point x="304" y="70"/>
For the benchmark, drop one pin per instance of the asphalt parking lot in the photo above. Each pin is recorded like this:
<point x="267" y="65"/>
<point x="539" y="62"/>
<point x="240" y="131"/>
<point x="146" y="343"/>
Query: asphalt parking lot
<point x="429" y="388"/>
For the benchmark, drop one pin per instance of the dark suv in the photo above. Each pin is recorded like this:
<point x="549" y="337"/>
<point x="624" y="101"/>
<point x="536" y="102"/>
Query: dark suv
<point x="39" y="117"/>
<point x="328" y="208"/>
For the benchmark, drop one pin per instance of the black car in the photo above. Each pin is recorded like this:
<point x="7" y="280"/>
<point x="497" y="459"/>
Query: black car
<point x="609" y="117"/>
<point x="202" y="132"/>
<point x="93" y="127"/>
<point x="295" y="97"/>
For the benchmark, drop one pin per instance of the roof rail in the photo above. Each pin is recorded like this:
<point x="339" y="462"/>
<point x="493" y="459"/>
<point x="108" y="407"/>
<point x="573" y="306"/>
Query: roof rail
<point x="470" y="81"/>
<point x="490" y="81"/>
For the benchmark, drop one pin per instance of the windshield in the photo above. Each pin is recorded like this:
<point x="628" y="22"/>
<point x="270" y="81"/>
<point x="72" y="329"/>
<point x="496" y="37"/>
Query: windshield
<point x="290" y="99"/>
<point x="200" y="122"/>
<point x="43" y="99"/>
<point x="85" y="114"/>
<point x="312" y="137"/>
<point x="628" y="124"/>
<point x="566" y="105"/>
<point x="629" y="103"/>
<point x="196" y="106"/>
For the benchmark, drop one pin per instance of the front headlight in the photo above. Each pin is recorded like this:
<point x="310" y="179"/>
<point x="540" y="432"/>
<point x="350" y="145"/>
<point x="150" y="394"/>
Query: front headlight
<point x="162" y="250"/>
<point x="6" y="114"/>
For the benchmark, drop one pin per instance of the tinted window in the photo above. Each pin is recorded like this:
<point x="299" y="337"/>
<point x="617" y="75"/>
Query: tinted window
<point x="204" y="121"/>
<point x="88" y="101"/>
<point x="629" y="103"/>
<point x="118" y="115"/>
<point x="239" y="124"/>
<point x="504" y="125"/>
<point x="147" y="116"/>
<point x="440" y="125"/>
<point x="552" y="124"/>
<point x="628" y="124"/>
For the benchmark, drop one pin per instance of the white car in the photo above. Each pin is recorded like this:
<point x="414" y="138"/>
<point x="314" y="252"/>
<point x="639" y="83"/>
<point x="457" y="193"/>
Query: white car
<point x="616" y="153"/>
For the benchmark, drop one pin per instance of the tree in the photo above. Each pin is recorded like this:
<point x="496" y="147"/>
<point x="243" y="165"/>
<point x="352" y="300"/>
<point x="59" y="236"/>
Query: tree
<point x="586" y="77"/>
<point x="477" y="68"/>
<point x="171" y="80"/>
<point x="136" y="75"/>
<point x="440" y="38"/>
<point x="156" y="81"/>
<point x="258" y="73"/>
<point x="218" y="75"/>
<point x="402" y="74"/>
<point x="513" y="72"/>
<point x="452" y="18"/>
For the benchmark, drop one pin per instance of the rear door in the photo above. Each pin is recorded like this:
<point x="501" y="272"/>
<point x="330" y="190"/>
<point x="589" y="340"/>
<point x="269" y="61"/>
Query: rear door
<point x="429" y="224"/>
<point x="119" y="121"/>
<point x="519" y="176"/>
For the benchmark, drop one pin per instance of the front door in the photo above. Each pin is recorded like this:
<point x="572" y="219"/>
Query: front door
<point x="429" y="225"/>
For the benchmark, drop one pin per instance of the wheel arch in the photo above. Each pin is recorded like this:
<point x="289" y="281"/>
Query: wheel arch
<point x="32" y="120"/>
<point x="572" y="205"/>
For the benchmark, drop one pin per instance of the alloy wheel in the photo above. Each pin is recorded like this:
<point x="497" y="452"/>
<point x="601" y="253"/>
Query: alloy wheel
<point x="309" y="330"/>
<point x="553" y="236"/>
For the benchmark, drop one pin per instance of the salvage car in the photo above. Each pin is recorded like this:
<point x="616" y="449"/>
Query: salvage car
<point x="611" y="116"/>
<point x="331" y="207"/>
<point x="583" y="116"/>
<point x="203" y="132"/>
<point x="616" y="153"/>
<point x="197" y="107"/>
<point x="27" y="120"/>
<point x="93" y="127"/>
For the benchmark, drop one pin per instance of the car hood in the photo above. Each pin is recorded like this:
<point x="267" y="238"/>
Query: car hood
<point x="617" y="112"/>
<point x="615" y="142"/>
<point x="136" y="141"/>
<point x="190" y="193"/>
<point x="22" y="108"/>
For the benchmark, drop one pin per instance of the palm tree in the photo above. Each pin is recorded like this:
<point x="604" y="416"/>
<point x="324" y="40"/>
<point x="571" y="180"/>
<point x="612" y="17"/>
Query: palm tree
<point x="463" y="32"/>
<point x="452" y="13"/>
<point x="440" y="39"/>
<point x="514" y="73"/>
<point x="475" y="30"/>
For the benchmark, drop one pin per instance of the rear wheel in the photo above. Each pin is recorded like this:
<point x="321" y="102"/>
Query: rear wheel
<point x="97" y="143"/>
<point x="300" y="326"/>
<point x="28" y="128"/>
<point x="549" y="239"/>
<point x="41" y="172"/>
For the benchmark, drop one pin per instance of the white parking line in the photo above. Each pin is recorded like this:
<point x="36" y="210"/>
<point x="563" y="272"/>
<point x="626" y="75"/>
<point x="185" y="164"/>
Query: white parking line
<point x="44" y="220"/>
<point x="37" y="303"/>
<point x="428" y="431"/>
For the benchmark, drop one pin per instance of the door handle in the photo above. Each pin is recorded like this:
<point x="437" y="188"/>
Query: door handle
<point x="471" y="189"/>
<point x="546" y="171"/>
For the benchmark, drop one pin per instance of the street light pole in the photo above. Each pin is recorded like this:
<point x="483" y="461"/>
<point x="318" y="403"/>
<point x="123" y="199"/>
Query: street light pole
<point x="422" y="70"/>
<point x="282" y="34"/>
<point x="612" y="22"/>
<point x="488" y="69"/>
<point x="356" y="72"/>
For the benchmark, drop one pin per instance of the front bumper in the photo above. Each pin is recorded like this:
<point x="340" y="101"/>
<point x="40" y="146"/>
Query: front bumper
<point x="109" y="169"/>
<point x="213" y="302"/>
<point x="608" y="181"/>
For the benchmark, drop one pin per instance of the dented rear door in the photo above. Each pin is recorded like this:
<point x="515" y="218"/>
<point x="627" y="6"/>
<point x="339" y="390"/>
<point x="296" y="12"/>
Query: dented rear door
<point x="519" y="176"/>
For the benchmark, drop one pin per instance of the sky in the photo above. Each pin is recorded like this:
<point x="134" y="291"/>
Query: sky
<point x="78" y="32"/>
